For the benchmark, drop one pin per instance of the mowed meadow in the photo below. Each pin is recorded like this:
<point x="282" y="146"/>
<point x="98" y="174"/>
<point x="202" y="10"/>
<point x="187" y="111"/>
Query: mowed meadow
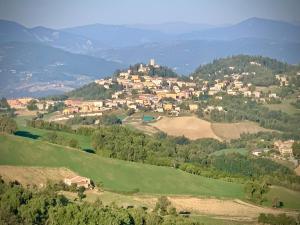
<point x="116" y="175"/>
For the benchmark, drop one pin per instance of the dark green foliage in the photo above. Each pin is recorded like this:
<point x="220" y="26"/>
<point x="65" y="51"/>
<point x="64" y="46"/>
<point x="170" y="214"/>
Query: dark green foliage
<point x="110" y="120"/>
<point x="21" y="206"/>
<point x="32" y="105"/>
<point x="264" y="74"/>
<point x="41" y="124"/>
<point x="94" y="91"/>
<point x="80" y="193"/>
<point x="246" y="166"/>
<point x="255" y="191"/>
<point x="8" y="125"/>
<point x="56" y="138"/>
<point x="296" y="149"/>
<point x="82" y="120"/>
<point x="59" y="106"/>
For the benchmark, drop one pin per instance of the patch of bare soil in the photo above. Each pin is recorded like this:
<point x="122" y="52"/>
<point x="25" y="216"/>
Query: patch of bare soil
<point x="34" y="175"/>
<point x="234" y="209"/>
<point x="189" y="126"/>
<point x="229" y="131"/>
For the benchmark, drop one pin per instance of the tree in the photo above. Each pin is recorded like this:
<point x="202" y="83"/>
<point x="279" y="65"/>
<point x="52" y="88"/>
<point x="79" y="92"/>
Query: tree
<point x="32" y="105"/>
<point x="8" y="125"/>
<point x="162" y="205"/>
<point x="296" y="149"/>
<point x="73" y="143"/>
<point x="80" y="193"/>
<point x="255" y="191"/>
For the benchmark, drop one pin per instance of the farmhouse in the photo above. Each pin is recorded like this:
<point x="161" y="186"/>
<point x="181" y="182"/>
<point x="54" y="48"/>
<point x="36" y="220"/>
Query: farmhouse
<point x="79" y="181"/>
<point x="284" y="147"/>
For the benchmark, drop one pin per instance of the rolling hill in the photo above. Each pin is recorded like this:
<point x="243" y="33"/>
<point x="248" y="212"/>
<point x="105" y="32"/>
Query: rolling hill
<point x="116" y="175"/>
<point x="250" y="28"/>
<point x="185" y="56"/>
<point x="35" y="69"/>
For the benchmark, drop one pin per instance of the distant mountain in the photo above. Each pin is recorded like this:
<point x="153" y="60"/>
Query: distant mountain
<point x="185" y="56"/>
<point x="11" y="31"/>
<point x="35" y="69"/>
<point x="174" y="28"/>
<point x="118" y="35"/>
<point x="250" y="28"/>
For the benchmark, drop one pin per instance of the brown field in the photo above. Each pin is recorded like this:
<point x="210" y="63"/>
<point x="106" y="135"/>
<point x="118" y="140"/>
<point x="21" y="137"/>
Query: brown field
<point x="229" y="131"/>
<point x="190" y="127"/>
<point x="234" y="209"/>
<point x="194" y="128"/>
<point x="34" y="175"/>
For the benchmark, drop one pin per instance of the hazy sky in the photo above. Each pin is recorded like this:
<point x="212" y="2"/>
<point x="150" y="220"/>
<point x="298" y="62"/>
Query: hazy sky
<point x="65" y="13"/>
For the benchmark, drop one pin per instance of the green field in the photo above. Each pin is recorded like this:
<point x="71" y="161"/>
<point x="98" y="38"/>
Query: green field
<point x="241" y="151"/>
<point x="284" y="106"/>
<point x="116" y="175"/>
<point x="290" y="198"/>
<point x="35" y="133"/>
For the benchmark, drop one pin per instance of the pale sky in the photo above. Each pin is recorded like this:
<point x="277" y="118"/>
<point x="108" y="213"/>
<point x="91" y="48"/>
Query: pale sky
<point x="66" y="13"/>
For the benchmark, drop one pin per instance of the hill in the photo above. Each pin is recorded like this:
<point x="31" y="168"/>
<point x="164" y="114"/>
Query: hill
<point x="250" y="28"/>
<point x="260" y="70"/>
<point x="12" y="31"/>
<point x="35" y="69"/>
<point x="116" y="175"/>
<point x="184" y="56"/>
<point x="110" y="34"/>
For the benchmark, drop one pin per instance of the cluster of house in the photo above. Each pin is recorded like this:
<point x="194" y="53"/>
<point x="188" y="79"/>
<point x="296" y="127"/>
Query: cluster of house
<point x="142" y="90"/>
<point x="21" y="103"/>
<point x="232" y="85"/>
<point x="285" y="149"/>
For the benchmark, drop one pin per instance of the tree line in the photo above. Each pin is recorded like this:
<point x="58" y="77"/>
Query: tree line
<point x="46" y="206"/>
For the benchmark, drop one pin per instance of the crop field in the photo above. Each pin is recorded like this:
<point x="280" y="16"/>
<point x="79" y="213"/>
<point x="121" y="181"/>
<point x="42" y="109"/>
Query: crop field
<point x="194" y="128"/>
<point x="190" y="127"/>
<point x="229" y="131"/>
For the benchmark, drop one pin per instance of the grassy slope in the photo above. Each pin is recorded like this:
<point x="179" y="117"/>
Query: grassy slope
<point x="115" y="174"/>
<point x="242" y="151"/>
<point x="290" y="198"/>
<point x="285" y="106"/>
<point x="83" y="141"/>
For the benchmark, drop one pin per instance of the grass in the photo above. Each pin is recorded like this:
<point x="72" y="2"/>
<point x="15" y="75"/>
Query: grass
<point x="290" y="198"/>
<point x="241" y="151"/>
<point x="116" y="175"/>
<point x="284" y="106"/>
<point x="35" y="133"/>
